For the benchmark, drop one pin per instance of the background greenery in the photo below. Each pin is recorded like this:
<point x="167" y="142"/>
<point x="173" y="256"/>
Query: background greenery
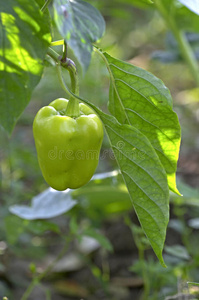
<point x="137" y="35"/>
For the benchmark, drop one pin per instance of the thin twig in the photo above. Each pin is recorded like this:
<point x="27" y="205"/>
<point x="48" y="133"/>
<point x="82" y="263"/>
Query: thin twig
<point x="38" y="278"/>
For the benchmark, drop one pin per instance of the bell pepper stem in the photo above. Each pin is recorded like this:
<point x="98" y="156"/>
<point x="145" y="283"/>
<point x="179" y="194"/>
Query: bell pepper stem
<point x="73" y="105"/>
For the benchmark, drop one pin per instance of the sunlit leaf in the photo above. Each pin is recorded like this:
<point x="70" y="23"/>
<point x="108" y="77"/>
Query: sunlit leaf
<point x="24" y="38"/>
<point x="145" y="103"/>
<point x="145" y="179"/>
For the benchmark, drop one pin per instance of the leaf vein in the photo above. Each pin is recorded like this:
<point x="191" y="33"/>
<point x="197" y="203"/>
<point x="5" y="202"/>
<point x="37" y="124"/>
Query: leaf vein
<point x="159" y="207"/>
<point x="163" y="133"/>
<point x="140" y="168"/>
<point x="135" y="75"/>
<point x="125" y="139"/>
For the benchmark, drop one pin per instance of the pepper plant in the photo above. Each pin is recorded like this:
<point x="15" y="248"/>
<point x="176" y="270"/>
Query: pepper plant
<point x="141" y="126"/>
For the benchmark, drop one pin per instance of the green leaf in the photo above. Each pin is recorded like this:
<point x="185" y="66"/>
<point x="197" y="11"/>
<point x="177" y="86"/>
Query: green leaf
<point x="145" y="179"/>
<point x="193" y="283"/>
<point x="16" y="226"/>
<point x="115" y="106"/>
<point x="41" y="226"/>
<point x="139" y="3"/>
<point x="24" y="39"/>
<point x="193" y="5"/>
<point x="146" y="104"/>
<point x="103" y="199"/>
<point x="186" y="19"/>
<point x="80" y="24"/>
<point x="105" y="195"/>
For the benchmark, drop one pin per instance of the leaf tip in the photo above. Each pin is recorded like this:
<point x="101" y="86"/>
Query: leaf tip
<point x="163" y="263"/>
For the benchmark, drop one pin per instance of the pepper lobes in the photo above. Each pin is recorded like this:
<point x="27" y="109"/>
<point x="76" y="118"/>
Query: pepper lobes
<point x="67" y="148"/>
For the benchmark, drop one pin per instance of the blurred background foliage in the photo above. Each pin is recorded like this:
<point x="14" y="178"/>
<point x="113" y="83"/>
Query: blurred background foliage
<point x="117" y="262"/>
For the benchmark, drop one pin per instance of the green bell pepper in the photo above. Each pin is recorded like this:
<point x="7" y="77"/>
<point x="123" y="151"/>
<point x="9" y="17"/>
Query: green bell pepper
<point x="68" y="148"/>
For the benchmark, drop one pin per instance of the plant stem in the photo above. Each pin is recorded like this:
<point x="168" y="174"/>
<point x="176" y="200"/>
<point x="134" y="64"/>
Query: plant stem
<point x="53" y="54"/>
<point x="73" y="105"/>
<point x="64" y="56"/>
<point x="144" y="274"/>
<point x="45" y="5"/>
<point x="38" y="278"/>
<point x="184" y="45"/>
